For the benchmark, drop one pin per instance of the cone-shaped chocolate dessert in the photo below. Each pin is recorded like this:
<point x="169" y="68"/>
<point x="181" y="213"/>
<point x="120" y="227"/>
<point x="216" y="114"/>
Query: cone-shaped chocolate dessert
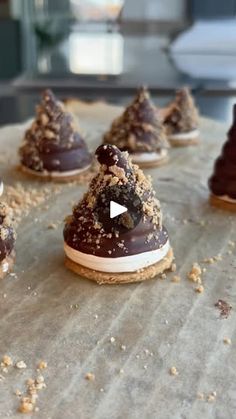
<point x="52" y="148"/>
<point x="222" y="183"/>
<point x="130" y="247"/>
<point x="182" y="120"/>
<point x="140" y="131"/>
<point x="7" y="240"/>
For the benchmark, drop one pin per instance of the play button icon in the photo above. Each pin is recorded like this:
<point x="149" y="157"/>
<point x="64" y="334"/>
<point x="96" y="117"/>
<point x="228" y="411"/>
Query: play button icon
<point x="116" y="209"/>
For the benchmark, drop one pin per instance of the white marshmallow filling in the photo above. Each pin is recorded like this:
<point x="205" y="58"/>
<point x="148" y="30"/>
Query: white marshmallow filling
<point x="53" y="174"/>
<point x="131" y="263"/>
<point x="185" y="136"/>
<point x="148" y="156"/>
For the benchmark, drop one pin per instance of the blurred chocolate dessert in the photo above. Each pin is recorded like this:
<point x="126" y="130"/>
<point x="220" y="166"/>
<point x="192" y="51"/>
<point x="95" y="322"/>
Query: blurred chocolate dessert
<point x="182" y="120"/>
<point x="7" y="240"/>
<point x="52" y="147"/>
<point x="132" y="247"/>
<point x="140" y="131"/>
<point x="222" y="183"/>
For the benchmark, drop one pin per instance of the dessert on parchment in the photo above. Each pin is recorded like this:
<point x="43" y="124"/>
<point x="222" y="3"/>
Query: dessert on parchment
<point x="182" y="119"/>
<point x="7" y="238"/>
<point x="52" y="147"/>
<point x="140" y="131"/>
<point x="222" y="183"/>
<point x="133" y="246"/>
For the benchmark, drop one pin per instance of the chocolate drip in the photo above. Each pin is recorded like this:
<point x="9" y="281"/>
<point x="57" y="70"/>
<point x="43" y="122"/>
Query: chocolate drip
<point x="84" y="232"/>
<point x="52" y="143"/>
<point x="182" y="115"/>
<point x="223" y="180"/>
<point x="7" y="232"/>
<point x="140" y="127"/>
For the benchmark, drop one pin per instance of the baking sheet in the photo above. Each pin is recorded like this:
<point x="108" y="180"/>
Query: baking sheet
<point x="128" y="336"/>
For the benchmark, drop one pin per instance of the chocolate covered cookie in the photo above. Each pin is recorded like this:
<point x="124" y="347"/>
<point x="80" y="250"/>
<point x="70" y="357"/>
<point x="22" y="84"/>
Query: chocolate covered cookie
<point x="140" y="131"/>
<point x="52" y="147"/>
<point x="182" y="120"/>
<point x="134" y="246"/>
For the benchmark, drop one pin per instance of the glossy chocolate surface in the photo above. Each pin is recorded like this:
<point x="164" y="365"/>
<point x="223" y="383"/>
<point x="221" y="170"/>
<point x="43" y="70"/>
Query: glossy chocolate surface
<point x="140" y="128"/>
<point x="85" y="233"/>
<point x="223" y="180"/>
<point x="52" y="142"/>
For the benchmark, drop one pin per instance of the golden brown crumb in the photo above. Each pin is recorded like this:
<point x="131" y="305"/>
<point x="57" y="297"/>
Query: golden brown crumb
<point x="52" y="226"/>
<point x="42" y="365"/>
<point x="26" y="406"/>
<point x="227" y="341"/>
<point x="6" y="361"/>
<point x="176" y="278"/>
<point x="174" y="371"/>
<point x="199" y="289"/>
<point x="211" y="397"/>
<point x="90" y="376"/>
<point x="200" y="396"/>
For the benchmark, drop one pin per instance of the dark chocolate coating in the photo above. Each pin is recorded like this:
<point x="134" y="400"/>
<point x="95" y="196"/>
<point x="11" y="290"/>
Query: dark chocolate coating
<point x="110" y="155"/>
<point x="85" y="230"/>
<point x="223" y="179"/>
<point x="7" y="245"/>
<point x="51" y="143"/>
<point x="135" y="241"/>
<point x="140" y="127"/>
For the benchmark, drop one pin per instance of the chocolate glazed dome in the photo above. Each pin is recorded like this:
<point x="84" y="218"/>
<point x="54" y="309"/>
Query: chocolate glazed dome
<point x="223" y="180"/>
<point x="86" y="233"/>
<point x="140" y="128"/>
<point x="7" y="232"/>
<point x="52" y="143"/>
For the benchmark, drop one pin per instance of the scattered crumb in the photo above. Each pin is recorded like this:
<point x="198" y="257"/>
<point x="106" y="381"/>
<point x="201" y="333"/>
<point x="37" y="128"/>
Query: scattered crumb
<point x="26" y="406"/>
<point x="121" y="371"/>
<point x="173" y="371"/>
<point x="42" y="365"/>
<point x="199" y="289"/>
<point x="90" y="376"/>
<point x="112" y="340"/>
<point x="227" y="341"/>
<point x="6" y="361"/>
<point x="123" y="347"/>
<point x="211" y="397"/>
<point x="52" y="226"/>
<point x="176" y="278"/>
<point x="200" y="396"/>
<point x="20" y="365"/>
<point x="224" y="307"/>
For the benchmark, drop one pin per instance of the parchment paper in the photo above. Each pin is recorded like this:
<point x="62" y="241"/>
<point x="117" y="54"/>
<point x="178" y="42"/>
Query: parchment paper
<point x="47" y="312"/>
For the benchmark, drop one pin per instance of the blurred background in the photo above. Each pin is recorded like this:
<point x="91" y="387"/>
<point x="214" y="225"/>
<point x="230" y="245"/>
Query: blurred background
<point x="105" y="49"/>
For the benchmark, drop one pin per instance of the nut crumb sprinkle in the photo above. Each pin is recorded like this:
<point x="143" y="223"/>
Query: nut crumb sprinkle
<point x="90" y="376"/>
<point x="227" y="341"/>
<point x="174" y="371"/>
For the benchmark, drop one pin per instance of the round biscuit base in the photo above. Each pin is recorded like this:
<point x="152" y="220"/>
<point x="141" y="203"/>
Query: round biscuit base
<point x="183" y="143"/>
<point x="124" y="277"/>
<point x="10" y="259"/>
<point x="149" y="164"/>
<point x="221" y="204"/>
<point x="48" y="177"/>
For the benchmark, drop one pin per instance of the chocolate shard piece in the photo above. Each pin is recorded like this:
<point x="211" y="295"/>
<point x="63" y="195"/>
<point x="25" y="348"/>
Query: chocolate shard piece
<point x="140" y="128"/>
<point x="223" y="180"/>
<point x="52" y="143"/>
<point x="7" y="231"/>
<point x="84" y="230"/>
<point x="182" y="115"/>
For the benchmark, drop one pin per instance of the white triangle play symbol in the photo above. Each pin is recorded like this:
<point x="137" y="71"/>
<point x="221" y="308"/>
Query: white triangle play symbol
<point x="116" y="209"/>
